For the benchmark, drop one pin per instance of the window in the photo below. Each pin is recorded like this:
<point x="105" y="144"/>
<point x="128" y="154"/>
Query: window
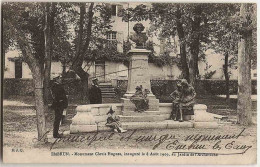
<point x="113" y="10"/>
<point x="18" y="69"/>
<point x="112" y="39"/>
<point x="111" y="35"/>
<point x="116" y="10"/>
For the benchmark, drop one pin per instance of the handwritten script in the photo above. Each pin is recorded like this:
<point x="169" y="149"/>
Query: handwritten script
<point x="215" y="143"/>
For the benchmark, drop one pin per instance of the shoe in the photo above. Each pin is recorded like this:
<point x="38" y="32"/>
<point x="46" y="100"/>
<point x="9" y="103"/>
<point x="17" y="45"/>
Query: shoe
<point x="180" y="120"/>
<point x="58" y="136"/>
<point x="123" y="131"/>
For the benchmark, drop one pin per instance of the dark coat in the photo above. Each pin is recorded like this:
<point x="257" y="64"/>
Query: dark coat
<point x="59" y="96"/>
<point x="95" y="96"/>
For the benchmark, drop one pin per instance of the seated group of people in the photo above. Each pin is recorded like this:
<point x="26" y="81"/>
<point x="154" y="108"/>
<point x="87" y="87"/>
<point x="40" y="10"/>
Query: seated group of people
<point x="183" y="98"/>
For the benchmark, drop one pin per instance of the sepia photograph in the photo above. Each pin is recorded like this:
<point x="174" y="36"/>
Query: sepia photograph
<point x="129" y="82"/>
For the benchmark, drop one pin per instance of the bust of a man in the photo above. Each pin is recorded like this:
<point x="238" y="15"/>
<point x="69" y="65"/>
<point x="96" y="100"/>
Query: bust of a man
<point x="139" y="38"/>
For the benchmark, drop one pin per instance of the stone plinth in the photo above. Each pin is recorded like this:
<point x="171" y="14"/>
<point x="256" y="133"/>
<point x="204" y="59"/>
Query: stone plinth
<point x="139" y="75"/>
<point x="138" y="71"/>
<point x="144" y="118"/>
<point x="129" y="106"/>
<point x="203" y="119"/>
<point x="89" y="116"/>
<point x="92" y="118"/>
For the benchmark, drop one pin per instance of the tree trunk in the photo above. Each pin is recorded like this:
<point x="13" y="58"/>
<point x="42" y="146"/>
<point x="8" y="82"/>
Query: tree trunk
<point x="82" y="48"/>
<point x="195" y="44"/>
<point x="39" y="104"/>
<point x="38" y="77"/>
<point x="84" y="81"/>
<point x="225" y="68"/>
<point x="194" y="53"/>
<point x="48" y="55"/>
<point x="192" y="71"/>
<point x="244" y="73"/>
<point x="180" y="31"/>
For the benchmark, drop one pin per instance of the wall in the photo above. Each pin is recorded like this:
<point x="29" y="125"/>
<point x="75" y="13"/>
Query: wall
<point x="111" y="67"/>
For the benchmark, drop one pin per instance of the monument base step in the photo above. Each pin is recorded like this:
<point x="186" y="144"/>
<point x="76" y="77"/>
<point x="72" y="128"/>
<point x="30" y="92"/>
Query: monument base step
<point x="135" y="113"/>
<point x="166" y="124"/>
<point x="144" y="118"/>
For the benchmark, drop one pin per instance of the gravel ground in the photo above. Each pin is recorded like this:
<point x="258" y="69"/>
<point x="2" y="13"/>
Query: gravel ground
<point x="20" y="132"/>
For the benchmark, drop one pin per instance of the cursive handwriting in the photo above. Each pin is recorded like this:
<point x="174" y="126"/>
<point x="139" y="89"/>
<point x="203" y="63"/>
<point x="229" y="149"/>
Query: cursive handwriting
<point x="171" y="142"/>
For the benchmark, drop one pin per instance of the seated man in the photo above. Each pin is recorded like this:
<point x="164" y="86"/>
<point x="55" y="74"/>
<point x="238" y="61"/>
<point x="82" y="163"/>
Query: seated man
<point x="183" y="97"/>
<point x="176" y="97"/>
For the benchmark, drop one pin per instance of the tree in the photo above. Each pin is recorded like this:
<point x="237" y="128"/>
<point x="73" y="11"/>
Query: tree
<point x="191" y="22"/>
<point x="31" y="26"/>
<point x="247" y="24"/>
<point x="48" y="38"/>
<point x="17" y="18"/>
<point x="82" y="46"/>
<point x="225" y="38"/>
<point x="89" y="29"/>
<point x="166" y="19"/>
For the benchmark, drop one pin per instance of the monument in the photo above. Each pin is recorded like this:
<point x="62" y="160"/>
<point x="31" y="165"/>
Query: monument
<point x="92" y="117"/>
<point x="139" y="74"/>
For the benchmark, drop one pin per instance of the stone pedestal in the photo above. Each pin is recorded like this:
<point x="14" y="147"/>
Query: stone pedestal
<point x="203" y="119"/>
<point x="139" y="75"/>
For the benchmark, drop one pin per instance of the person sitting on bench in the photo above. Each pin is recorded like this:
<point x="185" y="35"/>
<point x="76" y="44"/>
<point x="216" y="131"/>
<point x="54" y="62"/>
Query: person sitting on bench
<point x="183" y="98"/>
<point x="114" y="122"/>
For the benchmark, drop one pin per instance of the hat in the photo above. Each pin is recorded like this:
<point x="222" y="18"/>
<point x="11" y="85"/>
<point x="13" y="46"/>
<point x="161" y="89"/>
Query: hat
<point x="111" y="111"/>
<point x="94" y="79"/>
<point x="139" y="87"/>
<point x="57" y="77"/>
<point x="184" y="82"/>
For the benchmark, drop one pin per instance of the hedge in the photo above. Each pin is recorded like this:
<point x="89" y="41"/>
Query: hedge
<point x="202" y="87"/>
<point x="24" y="87"/>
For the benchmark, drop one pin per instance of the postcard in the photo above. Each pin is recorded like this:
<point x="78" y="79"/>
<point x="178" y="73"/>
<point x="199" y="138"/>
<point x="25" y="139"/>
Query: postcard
<point x="129" y="82"/>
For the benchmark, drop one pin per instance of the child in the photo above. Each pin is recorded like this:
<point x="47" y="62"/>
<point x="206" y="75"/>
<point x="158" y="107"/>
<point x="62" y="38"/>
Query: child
<point x="113" y="122"/>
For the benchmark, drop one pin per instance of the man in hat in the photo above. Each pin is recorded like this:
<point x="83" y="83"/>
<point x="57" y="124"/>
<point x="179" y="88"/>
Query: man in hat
<point x="95" y="96"/>
<point x="183" y="98"/>
<point x="60" y="102"/>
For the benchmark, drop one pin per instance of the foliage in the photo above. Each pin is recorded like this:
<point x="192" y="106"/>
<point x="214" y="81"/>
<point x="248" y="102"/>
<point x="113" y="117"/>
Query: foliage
<point x="209" y="74"/>
<point x="205" y="26"/>
<point x="107" y="50"/>
<point x="161" y="59"/>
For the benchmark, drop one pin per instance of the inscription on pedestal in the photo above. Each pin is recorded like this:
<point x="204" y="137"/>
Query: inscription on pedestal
<point x="139" y="71"/>
<point x="139" y="75"/>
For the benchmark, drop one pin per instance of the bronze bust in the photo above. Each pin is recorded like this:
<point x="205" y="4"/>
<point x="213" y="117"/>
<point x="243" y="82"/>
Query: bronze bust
<point x="139" y="38"/>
